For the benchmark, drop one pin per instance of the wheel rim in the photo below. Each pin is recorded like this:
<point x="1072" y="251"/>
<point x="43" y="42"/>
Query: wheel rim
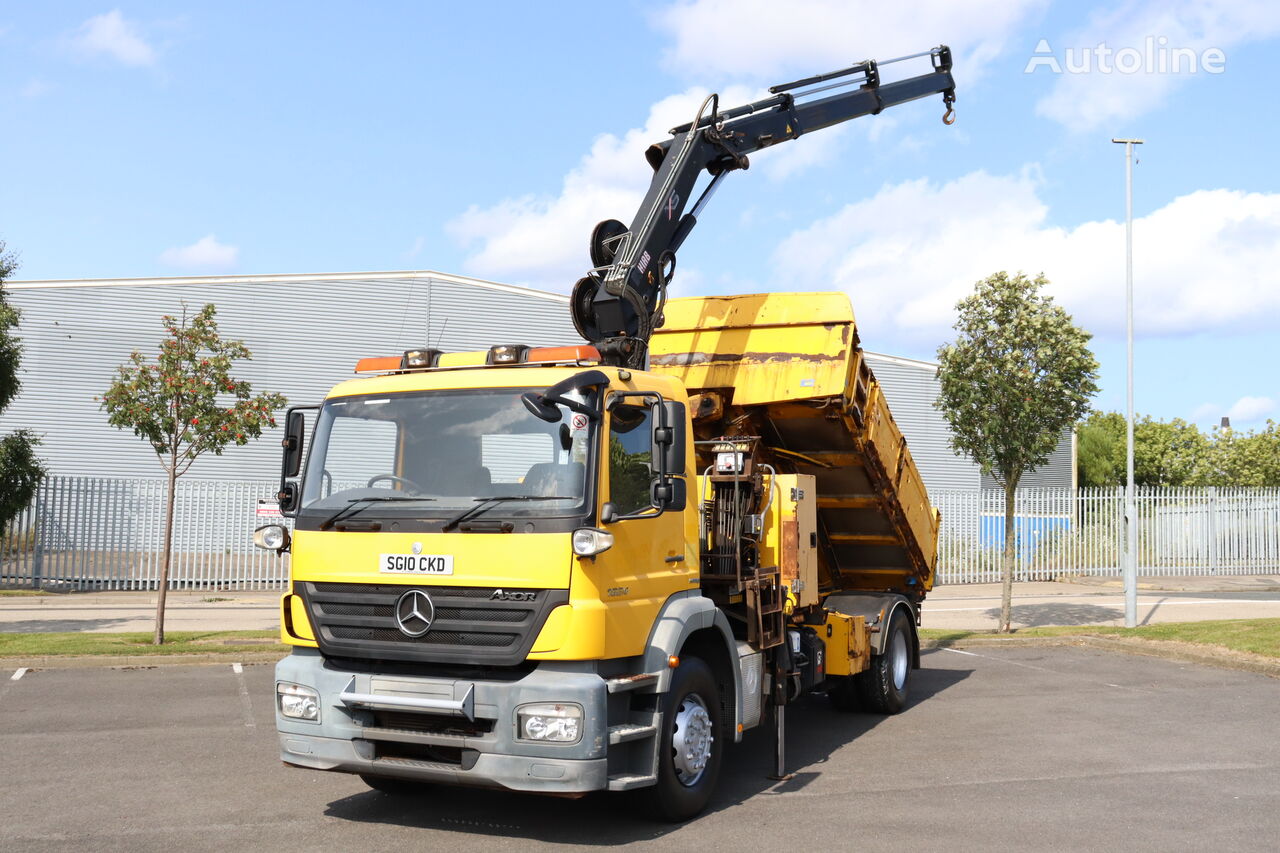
<point x="692" y="739"/>
<point x="898" y="659"/>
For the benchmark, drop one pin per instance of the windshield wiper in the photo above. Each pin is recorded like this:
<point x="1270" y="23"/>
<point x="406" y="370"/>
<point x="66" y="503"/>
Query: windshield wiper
<point x="355" y="505"/>
<point x="485" y="503"/>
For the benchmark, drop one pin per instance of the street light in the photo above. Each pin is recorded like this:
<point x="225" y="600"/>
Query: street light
<point x="1130" y="509"/>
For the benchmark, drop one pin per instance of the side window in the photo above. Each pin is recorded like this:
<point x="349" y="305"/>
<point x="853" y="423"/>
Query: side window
<point x="630" y="454"/>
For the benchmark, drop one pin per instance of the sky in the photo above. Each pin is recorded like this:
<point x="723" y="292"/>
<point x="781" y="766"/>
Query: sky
<point x="164" y="139"/>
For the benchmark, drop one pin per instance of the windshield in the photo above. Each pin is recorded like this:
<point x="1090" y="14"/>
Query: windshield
<point x="438" y="452"/>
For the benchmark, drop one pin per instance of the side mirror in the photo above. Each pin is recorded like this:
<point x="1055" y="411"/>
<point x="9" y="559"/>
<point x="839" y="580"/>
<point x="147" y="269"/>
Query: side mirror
<point x="669" y="438"/>
<point x="294" y="427"/>
<point x="539" y="407"/>
<point x="608" y="513"/>
<point x="288" y="497"/>
<point x="668" y="493"/>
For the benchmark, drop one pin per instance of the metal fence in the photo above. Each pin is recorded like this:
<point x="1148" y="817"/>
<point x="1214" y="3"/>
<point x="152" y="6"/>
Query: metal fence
<point x="96" y="533"/>
<point x="90" y="533"/>
<point x="1057" y="532"/>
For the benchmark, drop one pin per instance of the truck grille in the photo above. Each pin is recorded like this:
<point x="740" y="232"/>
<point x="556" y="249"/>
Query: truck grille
<point x="358" y="620"/>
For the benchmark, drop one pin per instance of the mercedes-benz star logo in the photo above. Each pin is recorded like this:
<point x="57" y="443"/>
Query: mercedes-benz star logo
<point x="414" y="613"/>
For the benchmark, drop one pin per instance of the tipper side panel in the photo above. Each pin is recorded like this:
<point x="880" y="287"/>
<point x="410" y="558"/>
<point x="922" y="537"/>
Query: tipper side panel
<point x="787" y="367"/>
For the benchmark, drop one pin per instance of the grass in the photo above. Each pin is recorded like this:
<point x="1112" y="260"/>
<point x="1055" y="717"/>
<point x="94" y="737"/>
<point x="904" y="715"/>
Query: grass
<point x="1255" y="636"/>
<point x="223" y="643"/>
<point x="23" y="592"/>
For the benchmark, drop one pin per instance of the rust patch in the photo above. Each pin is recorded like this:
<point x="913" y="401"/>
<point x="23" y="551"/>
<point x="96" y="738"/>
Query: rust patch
<point x="690" y="359"/>
<point x="789" y="559"/>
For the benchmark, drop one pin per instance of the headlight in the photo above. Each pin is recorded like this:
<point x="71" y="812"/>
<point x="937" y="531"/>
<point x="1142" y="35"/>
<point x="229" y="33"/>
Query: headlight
<point x="271" y="537"/>
<point x="588" y="541"/>
<point x="551" y="722"/>
<point x="297" y="702"/>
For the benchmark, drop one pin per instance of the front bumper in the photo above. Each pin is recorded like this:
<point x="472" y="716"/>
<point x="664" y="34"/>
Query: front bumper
<point x="355" y="739"/>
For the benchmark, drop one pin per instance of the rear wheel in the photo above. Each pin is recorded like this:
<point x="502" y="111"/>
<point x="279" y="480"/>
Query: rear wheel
<point x="691" y="743"/>
<point x="883" y="687"/>
<point x="392" y="785"/>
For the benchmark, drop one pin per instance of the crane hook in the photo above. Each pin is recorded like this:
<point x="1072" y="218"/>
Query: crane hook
<point x="949" y="117"/>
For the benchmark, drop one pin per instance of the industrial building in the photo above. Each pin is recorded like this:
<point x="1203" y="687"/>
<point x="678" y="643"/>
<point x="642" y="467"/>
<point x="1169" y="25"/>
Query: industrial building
<point x="306" y="332"/>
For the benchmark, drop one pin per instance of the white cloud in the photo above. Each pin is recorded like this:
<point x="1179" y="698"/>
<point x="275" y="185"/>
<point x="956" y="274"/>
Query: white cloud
<point x="1088" y="100"/>
<point x="1250" y="410"/>
<point x="542" y="240"/>
<point x="1202" y="263"/>
<point x="1206" y="412"/>
<point x="204" y="254"/>
<point x="35" y="88"/>
<point x="416" y="248"/>
<point x="765" y="39"/>
<point x="112" y="36"/>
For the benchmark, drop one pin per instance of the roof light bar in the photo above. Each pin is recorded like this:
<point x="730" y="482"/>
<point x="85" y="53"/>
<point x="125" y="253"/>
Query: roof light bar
<point x="507" y="354"/>
<point x="580" y="353"/>
<point x="416" y="359"/>
<point x="378" y="364"/>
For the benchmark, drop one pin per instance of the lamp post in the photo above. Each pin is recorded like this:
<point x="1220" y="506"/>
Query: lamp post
<point x="1130" y="508"/>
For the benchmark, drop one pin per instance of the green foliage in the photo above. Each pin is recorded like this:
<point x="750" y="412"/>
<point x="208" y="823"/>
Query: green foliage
<point x="1248" y="459"/>
<point x="20" y="470"/>
<point x="1017" y="375"/>
<point x="186" y="403"/>
<point x="1176" y="454"/>
<point x="1100" y="446"/>
<point x="1171" y="453"/>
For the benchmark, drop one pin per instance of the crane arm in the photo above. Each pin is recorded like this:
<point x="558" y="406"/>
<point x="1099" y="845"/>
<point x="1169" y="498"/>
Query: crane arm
<point x="619" y="302"/>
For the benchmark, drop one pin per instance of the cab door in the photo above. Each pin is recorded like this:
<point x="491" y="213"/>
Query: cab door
<point x="650" y="558"/>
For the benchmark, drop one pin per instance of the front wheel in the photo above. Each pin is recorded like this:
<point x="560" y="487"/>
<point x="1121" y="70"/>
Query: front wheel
<point x="691" y="743"/>
<point x="883" y="687"/>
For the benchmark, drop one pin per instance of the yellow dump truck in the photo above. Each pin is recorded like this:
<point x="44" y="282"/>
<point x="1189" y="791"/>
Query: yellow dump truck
<point x="582" y="568"/>
<point x="520" y="568"/>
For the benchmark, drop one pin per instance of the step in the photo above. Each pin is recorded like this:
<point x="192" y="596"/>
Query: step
<point x="631" y="682"/>
<point x="627" y="781"/>
<point x="630" y="731"/>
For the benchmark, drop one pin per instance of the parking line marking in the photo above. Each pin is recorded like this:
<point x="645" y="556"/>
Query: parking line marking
<point x="246" y="704"/>
<point x="1040" y="669"/>
<point x="18" y="673"/>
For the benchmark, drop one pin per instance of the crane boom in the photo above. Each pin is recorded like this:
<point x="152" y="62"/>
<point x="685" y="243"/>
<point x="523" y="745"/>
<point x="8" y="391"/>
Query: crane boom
<point x="618" y="304"/>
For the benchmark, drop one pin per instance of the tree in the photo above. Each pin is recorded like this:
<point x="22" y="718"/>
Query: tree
<point x="20" y="470"/>
<point x="1168" y="453"/>
<point x="1248" y="459"/>
<point x="1100" y="442"/>
<point x="1017" y="375"/>
<point x="185" y="403"/>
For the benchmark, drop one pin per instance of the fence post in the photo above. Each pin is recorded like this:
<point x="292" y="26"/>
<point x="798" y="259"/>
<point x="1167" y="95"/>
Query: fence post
<point x="37" y="547"/>
<point x="1213" y="530"/>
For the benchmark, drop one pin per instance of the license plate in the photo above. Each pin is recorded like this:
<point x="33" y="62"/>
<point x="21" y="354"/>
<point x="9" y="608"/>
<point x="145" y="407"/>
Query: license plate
<point x="416" y="564"/>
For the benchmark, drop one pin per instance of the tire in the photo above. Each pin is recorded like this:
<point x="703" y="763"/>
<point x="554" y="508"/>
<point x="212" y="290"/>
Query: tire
<point x="690" y="712"/>
<point x="883" y="687"/>
<point x="393" y="785"/>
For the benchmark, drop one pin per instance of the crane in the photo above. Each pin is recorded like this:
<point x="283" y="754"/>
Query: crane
<point x="617" y="305"/>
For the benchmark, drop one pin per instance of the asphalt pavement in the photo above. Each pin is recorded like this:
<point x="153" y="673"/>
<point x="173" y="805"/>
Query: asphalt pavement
<point x="1094" y="601"/>
<point x="1027" y="748"/>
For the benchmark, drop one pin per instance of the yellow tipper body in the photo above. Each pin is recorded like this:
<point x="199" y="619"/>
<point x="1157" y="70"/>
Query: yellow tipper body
<point x="787" y="367"/>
